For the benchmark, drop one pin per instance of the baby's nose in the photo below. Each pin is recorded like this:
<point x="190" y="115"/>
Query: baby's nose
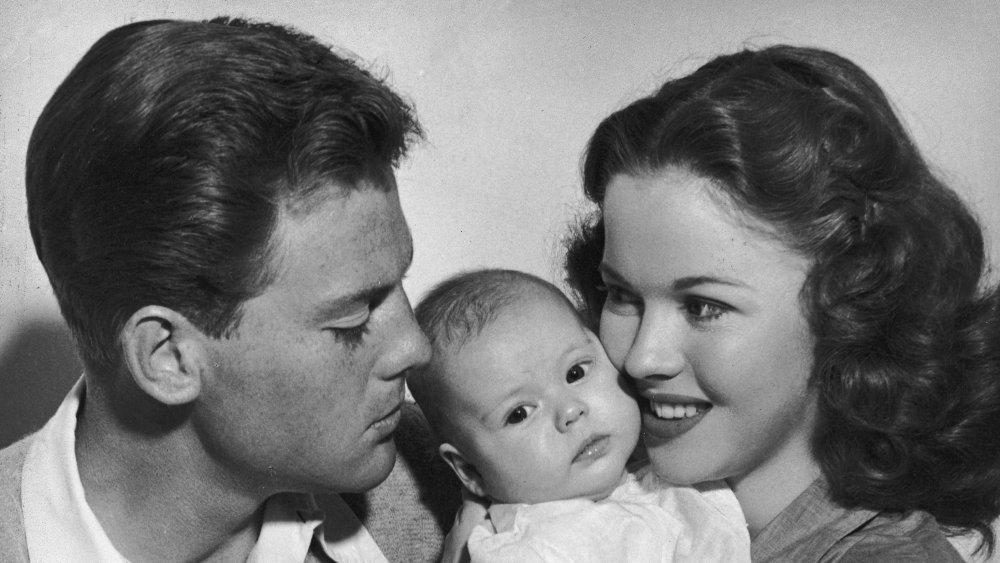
<point x="569" y="413"/>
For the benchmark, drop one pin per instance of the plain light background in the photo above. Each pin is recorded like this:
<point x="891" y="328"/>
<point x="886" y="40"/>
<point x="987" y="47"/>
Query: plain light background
<point x="508" y="93"/>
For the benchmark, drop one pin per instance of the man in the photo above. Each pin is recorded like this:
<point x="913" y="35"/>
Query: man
<point x="215" y="207"/>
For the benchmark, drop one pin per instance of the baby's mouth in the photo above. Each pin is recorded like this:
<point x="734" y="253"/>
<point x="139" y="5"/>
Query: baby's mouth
<point x="676" y="411"/>
<point x="595" y="447"/>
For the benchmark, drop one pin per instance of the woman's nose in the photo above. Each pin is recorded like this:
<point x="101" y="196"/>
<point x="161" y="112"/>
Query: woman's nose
<point x="656" y="351"/>
<point x="570" y="412"/>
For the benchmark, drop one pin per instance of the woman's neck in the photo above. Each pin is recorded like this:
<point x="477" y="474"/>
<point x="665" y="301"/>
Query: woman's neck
<point x="772" y="486"/>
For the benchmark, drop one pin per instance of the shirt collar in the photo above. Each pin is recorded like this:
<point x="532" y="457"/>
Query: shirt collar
<point x="808" y="527"/>
<point x="60" y="526"/>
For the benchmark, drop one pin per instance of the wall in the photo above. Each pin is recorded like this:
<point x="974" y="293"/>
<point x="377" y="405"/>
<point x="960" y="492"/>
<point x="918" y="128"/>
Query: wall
<point x="508" y="93"/>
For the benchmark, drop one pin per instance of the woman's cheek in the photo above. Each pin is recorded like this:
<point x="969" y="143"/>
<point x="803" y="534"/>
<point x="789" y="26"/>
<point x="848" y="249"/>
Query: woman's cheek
<point x="617" y="333"/>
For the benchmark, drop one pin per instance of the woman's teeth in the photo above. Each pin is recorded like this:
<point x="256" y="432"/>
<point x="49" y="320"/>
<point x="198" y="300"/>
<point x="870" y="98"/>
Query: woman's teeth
<point x="665" y="410"/>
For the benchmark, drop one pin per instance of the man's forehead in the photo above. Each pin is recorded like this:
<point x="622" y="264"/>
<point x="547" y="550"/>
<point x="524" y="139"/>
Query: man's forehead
<point x="350" y="243"/>
<point x="366" y="215"/>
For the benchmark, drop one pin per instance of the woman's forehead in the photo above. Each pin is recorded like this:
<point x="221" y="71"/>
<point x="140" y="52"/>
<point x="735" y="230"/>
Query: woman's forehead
<point x="672" y="226"/>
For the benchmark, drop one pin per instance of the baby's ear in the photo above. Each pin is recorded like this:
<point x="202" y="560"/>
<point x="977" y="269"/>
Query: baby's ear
<point x="467" y="473"/>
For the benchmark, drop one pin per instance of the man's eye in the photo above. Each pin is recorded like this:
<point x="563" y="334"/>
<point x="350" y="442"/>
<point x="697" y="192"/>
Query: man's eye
<point x="352" y="329"/>
<point x="518" y="415"/>
<point x="351" y="336"/>
<point x="575" y="373"/>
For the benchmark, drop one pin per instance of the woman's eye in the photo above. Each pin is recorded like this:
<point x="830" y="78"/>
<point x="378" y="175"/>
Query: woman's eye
<point x="575" y="373"/>
<point x="702" y="310"/>
<point x="621" y="301"/>
<point x="518" y="415"/>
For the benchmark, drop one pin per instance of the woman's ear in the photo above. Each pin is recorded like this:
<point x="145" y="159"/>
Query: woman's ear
<point x="164" y="354"/>
<point x="467" y="473"/>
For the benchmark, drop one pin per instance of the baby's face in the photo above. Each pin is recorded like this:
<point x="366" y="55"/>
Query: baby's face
<point x="545" y="415"/>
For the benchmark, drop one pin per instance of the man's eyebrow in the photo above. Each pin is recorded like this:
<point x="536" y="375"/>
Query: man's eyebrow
<point x="679" y="284"/>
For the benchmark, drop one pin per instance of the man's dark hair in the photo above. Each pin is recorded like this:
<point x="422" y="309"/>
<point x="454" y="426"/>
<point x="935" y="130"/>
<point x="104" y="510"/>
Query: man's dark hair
<point x="157" y="171"/>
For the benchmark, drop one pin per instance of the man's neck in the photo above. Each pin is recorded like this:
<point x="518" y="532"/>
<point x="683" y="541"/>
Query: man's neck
<point x="158" y="496"/>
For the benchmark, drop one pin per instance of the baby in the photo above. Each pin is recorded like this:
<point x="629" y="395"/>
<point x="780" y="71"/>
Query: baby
<point x="534" y="418"/>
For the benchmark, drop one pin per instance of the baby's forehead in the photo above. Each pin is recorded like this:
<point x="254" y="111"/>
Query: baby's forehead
<point x="525" y="311"/>
<point x="486" y="344"/>
<point x="527" y="306"/>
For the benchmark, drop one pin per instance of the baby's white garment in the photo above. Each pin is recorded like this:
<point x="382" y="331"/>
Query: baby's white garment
<point x="645" y="519"/>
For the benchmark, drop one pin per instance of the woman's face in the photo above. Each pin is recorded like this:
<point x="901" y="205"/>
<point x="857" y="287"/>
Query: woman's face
<point x="703" y="313"/>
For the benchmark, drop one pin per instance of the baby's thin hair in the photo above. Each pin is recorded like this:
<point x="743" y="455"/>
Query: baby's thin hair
<point x="460" y="307"/>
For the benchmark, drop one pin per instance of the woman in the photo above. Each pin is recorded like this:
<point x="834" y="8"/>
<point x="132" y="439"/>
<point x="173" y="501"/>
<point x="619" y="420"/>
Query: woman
<point x="801" y="305"/>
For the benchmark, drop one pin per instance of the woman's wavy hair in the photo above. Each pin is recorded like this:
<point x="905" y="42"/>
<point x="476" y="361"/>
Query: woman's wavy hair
<point x="907" y="354"/>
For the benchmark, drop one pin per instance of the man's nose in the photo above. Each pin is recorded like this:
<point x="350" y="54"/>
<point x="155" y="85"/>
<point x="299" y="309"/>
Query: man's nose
<point x="408" y="346"/>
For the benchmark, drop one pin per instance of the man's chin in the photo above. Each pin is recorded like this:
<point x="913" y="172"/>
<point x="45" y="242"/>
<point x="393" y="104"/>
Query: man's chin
<point x="369" y="473"/>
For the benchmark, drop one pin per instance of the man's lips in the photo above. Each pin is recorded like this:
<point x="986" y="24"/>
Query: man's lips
<point x="385" y="426"/>
<point x="593" y="448"/>
<point x="388" y="423"/>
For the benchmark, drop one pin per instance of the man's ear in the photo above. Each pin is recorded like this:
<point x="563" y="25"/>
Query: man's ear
<point x="164" y="353"/>
<point x="467" y="473"/>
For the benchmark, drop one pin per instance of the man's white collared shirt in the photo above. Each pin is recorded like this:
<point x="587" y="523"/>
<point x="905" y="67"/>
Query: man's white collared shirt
<point x="59" y="526"/>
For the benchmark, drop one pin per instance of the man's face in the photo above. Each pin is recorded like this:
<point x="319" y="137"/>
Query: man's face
<point x="306" y="394"/>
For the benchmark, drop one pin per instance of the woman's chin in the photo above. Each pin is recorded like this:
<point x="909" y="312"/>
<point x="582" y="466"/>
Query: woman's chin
<point x="677" y="470"/>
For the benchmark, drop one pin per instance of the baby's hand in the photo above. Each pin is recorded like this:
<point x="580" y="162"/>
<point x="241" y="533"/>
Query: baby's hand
<point x="470" y="514"/>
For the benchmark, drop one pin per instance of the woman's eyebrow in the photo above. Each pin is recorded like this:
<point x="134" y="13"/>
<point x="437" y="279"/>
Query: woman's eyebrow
<point x="679" y="284"/>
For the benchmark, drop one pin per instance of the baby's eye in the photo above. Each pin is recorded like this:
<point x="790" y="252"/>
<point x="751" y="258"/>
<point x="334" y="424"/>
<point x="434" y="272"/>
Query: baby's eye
<point x="518" y="415"/>
<point x="575" y="373"/>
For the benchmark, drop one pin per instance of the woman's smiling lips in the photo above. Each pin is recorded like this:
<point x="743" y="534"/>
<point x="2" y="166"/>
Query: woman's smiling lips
<point x="666" y="416"/>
